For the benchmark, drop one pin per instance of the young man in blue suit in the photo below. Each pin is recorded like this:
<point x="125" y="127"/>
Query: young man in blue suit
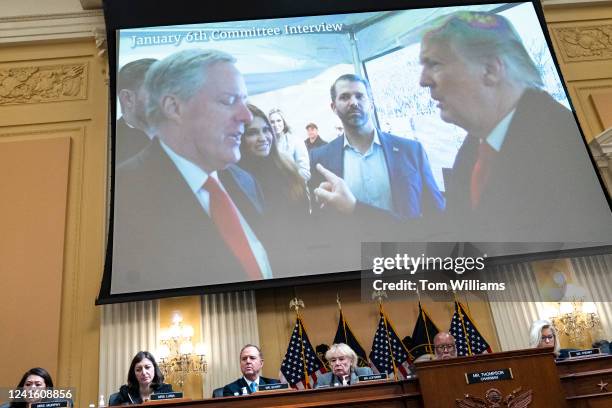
<point x="251" y="363"/>
<point x="369" y="171"/>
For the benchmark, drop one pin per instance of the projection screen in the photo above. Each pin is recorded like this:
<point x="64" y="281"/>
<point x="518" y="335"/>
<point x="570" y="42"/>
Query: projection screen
<point x="422" y="98"/>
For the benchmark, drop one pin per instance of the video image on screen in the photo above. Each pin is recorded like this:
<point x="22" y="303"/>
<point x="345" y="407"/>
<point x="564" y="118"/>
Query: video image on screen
<point x="263" y="149"/>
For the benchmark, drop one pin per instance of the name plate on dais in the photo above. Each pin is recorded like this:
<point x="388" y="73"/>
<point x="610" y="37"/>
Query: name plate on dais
<point x="273" y="387"/>
<point x="582" y="353"/>
<point x="166" y="395"/>
<point x="487" y="376"/>
<point x="54" y="404"/>
<point x="373" y="377"/>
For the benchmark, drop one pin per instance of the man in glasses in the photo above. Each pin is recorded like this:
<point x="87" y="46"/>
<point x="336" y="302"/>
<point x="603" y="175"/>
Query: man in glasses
<point x="521" y="147"/>
<point x="444" y="346"/>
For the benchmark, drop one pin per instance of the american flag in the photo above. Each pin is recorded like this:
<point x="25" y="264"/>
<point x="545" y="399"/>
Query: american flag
<point x="301" y="365"/>
<point x="469" y="340"/>
<point x="387" y="349"/>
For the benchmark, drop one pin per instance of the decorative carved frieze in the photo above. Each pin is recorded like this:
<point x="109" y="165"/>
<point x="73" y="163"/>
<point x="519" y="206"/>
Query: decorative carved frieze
<point x="46" y="83"/>
<point x="585" y="42"/>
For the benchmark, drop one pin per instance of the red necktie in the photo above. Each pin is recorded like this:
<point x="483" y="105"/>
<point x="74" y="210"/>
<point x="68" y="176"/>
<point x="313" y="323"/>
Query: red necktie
<point x="481" y="172"/>
<point x="224" y="214"/>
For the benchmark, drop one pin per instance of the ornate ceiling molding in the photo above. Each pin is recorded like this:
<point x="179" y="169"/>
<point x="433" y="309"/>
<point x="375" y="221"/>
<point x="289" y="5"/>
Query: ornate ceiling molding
<point x="604" y="142"/>
<point x="91" y="4"/>
<point x="63" y="26"/>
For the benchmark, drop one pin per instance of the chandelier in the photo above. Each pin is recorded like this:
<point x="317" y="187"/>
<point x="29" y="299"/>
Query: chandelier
<point x="178" y="358"/>
<point x="575" y="319"/>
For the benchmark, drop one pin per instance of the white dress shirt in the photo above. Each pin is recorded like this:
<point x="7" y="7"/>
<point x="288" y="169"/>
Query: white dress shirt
<point x="195" y="178"/>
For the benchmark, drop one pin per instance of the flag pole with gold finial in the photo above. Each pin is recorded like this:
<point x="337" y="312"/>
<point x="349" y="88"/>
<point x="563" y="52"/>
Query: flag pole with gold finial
<point x="378" y="295"/>
<point x="341" y="315"/>
<point x="297" y="304"/>
<point x="422" y="313"/>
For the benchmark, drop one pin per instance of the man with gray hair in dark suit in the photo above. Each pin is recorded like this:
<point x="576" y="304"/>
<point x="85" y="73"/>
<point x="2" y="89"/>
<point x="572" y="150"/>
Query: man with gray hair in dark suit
<point x="185" y="214"/>
<point x="511" y="178"/>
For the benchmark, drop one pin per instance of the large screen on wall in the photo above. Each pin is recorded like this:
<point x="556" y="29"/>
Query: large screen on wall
<point x="256" y="146"/>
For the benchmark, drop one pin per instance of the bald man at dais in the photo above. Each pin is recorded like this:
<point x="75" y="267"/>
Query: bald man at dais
<point x="444" y="346"/>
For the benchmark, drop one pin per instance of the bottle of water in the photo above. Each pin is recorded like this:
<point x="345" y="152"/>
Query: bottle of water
<point x="102" y="402"/>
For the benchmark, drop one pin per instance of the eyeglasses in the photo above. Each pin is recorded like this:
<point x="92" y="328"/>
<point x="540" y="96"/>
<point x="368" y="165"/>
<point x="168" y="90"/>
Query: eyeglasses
<point x="444" y="347"/>
<point x="550" y="337"/>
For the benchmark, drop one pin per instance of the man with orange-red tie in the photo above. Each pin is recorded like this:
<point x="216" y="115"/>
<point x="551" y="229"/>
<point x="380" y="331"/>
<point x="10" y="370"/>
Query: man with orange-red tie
<point x="185" y="215"/>
<point x="514" y="165"/>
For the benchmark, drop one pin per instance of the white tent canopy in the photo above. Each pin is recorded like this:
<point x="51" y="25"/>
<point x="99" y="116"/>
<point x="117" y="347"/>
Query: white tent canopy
<point x="272" y="60"/>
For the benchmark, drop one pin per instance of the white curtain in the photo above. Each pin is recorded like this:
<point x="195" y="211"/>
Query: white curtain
<point x="126" y="328"/>
<point x="229" y="321"/>
<point x="513" y="318"/>
<point x="594" y="273"/>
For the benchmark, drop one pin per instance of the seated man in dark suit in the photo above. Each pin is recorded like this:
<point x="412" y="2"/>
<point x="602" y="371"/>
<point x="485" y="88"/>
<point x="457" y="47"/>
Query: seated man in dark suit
<point x="343" y="362"/>
<point x="251" y="363"/>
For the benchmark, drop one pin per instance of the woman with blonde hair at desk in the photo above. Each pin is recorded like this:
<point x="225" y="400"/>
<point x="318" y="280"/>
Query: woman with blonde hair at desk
<point x="543" y="334"/>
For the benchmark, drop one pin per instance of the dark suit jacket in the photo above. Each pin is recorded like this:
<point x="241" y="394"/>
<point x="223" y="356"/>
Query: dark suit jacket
<point x="128" y="142"/>
<point x="125" y="396"/>
<point x="529" y="196"/>
<point x="331" y="379"/>
<point x="413" y="188"/>
<point x="236" y="387"/>
<point x="162" y="237"/>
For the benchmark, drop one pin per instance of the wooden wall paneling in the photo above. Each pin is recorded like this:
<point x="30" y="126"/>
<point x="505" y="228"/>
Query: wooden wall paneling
<point x="33" y="186"/>
<point x="582" y="39"/>
<point x="602" y="101"/>
<point x="60" y="88"/>
<point x="584" y="95"/>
